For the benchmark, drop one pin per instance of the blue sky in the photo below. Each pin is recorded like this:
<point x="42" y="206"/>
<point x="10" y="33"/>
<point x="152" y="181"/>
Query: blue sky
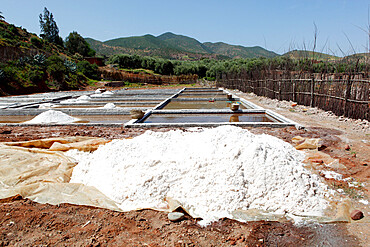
<point x="279" y="26"/>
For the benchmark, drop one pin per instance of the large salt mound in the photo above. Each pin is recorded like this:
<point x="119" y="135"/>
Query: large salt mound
<point x="211" y="172"/>
<point x="52" y="116"/>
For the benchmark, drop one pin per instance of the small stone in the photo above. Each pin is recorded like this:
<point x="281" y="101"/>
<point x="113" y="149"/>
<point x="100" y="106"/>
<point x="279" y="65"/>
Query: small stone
<point x="364" y="164"/>
<point x="294" y="104"/>
<point x="304" y="110"/>
<point x="347" y="147"/>
<point x="175" y="216"/>
<point x="357" y="215"/>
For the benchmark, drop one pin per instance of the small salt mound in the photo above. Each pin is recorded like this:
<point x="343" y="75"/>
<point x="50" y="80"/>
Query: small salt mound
<point x="83" y="97"/>
<point x="107" y="93"/>
<point x="52" y="116"/>
<point x="211" y="172"/>
<point x="109" y="106"/>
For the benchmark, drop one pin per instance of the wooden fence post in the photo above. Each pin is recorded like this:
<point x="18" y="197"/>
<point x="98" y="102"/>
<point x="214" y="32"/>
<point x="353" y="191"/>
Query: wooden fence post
<point x="347" y="96"/>
<point x="280" y="89"/>
<point x="293" y="82"/>
<point x="312" y="90"/>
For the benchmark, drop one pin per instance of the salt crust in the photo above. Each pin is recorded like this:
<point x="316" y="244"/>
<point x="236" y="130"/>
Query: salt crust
<point x="52" y="116"/>
<point x="211" y="172"/>
<point x="331" y="174"/>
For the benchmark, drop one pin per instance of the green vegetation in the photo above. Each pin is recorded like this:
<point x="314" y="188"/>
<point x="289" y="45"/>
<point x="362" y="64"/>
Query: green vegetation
<point x="352" y="192"/>
<point x="211" y="69"/>
<point x="76" y="44"/>
<point x="89" y="70"/>
<point x="53" y="66"/>
<point x="49" y="28"/>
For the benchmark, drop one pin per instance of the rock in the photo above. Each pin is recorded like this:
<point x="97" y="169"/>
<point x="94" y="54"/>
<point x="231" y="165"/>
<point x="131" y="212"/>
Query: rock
<point x="175" y="216"/>
<point x="364" y="164"/>
<point x="347" y="147"/>
<point x="357" y="215"/>
<point x="294" y="104"/>
<point x="136" y="114"/>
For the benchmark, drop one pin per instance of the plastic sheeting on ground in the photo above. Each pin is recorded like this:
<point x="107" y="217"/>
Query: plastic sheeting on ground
<point x="28" y="169"/>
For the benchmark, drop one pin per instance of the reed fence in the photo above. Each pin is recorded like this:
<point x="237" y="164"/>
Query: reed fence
<point x="344" y="94"/>
<point x="117" y="75"/>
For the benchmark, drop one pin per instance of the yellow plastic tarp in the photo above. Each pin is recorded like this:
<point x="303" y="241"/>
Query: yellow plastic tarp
<point x="43" y="176"/>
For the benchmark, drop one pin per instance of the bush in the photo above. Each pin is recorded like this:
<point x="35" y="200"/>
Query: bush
<point x="89" y="70"/>
<point x="37" y="42"/>
<point x="57" y="71"/>
<point x="35" y="76"/>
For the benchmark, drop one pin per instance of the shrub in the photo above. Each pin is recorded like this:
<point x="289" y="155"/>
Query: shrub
<point x="56" y="70"/>
<point x="37" y="42"/>
<point x="89" y="70"/>
<point x="71" y="66"/>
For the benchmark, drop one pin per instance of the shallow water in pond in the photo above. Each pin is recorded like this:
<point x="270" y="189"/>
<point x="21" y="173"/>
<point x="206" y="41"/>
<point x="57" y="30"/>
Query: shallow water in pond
<point x="201" y="105"/>
<point x="209" y="118"/>
<point x="203" y="92"/>
<point x="101" y="106"/>
<point x="84" y="119"/>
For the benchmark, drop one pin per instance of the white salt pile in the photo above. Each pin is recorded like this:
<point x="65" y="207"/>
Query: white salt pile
<point x="109" y="106"/>
<point x="107" y="93"/>
<point x="52" y="116"/>
<point x="211" y="172"/>
<point x="83" y="97"/>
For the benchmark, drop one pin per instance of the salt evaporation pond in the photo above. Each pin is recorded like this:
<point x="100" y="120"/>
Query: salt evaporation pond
<point x="210" y="172"/>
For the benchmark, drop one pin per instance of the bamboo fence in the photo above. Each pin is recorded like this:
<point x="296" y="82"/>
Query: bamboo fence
<point x="117" y="75"/>
<point x="344" y="94"/>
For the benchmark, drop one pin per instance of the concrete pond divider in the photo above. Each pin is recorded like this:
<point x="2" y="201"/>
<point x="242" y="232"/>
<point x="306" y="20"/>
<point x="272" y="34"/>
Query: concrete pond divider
<point x="280" y="121"/>
<point x="137" y="100"/>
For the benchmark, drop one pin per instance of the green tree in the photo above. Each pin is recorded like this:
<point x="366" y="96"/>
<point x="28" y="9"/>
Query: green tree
<point x="75" y="43"/>
<point x="49" y="28"/>
<point x="89" y="70"/>
<point x="57" y="71"/>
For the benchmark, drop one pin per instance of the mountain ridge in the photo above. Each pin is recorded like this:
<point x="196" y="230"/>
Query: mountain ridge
<point x="174" y="46"/>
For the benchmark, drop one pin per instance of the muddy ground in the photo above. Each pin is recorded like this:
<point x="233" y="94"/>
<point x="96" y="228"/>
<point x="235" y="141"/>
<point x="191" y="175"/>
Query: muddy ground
<point x="23" y="222"/>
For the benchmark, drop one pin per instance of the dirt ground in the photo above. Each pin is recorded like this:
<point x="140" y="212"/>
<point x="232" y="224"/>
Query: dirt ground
<point x="24" y="222"/>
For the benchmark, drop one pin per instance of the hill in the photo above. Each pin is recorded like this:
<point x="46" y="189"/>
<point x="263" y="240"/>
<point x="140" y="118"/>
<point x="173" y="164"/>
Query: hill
<point x="17" y="42"/>
<point x="174" y="46"/>
<point x="301" y="54"/>
<point x="361" y="57"/>
<point x="238" y="51"/>
<point x="29" y="64"/>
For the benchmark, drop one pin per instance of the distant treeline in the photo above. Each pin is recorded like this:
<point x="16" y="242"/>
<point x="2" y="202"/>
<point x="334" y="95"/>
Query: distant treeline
<point x="211" y="69"/>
